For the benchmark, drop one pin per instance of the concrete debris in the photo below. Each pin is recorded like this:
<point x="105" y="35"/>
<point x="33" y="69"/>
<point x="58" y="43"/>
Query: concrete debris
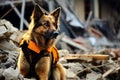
<point x="6" y="29"/>
<point x="71" y="75"/>
<point x="94" y="76"/>
<point x="9" y="51"/>
<point x="11" y="74"/>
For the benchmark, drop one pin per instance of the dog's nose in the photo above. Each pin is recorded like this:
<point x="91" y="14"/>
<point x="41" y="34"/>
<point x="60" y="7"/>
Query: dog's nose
<point x="54" y="34"/>
<point x="51" y="35"/>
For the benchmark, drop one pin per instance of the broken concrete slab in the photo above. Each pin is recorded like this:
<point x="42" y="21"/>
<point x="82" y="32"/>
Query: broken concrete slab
<point x="11" y="74"/>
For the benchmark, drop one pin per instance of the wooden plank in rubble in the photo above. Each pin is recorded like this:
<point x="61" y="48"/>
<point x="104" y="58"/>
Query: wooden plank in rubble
<point x="86" y="56"/>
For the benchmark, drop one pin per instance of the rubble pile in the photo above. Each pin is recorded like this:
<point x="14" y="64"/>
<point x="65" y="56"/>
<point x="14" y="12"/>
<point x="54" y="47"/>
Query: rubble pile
<point x="9" y="50"/>
<point x="96" y="65"/>
<point x="83" y="63"/>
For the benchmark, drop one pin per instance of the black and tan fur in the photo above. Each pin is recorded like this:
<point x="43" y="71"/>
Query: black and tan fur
<point x="42" y="23"/>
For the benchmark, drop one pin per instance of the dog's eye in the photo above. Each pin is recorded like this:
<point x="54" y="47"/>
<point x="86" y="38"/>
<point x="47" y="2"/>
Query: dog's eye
<point x="47" y="24"/>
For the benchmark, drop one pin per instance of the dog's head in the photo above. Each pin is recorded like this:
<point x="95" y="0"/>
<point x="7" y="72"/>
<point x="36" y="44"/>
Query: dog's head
<point x="44" y="26"/>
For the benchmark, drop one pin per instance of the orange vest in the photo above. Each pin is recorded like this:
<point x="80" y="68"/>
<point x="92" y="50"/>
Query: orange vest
<point x="53" y="50"/>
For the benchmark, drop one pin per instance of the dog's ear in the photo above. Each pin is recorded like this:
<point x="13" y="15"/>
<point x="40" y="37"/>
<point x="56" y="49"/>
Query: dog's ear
<point x="37" y="12"/>
<point x="56" y="14"/>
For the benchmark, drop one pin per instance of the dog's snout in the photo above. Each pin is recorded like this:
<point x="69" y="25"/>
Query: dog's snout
<point x="55" y="34"/>
<point x="51" y="35"/>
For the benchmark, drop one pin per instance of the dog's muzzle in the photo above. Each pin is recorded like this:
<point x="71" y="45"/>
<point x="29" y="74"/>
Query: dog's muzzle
<point x="51" y="35"/>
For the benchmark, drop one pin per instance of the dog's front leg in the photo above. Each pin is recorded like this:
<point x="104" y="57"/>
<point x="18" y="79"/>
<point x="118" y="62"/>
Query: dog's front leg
<point x="23" y="65"/>
<point x="43" y="68"/>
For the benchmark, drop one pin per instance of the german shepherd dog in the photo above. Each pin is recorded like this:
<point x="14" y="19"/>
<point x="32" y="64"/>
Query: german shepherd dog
<point x="37" y="61"/>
